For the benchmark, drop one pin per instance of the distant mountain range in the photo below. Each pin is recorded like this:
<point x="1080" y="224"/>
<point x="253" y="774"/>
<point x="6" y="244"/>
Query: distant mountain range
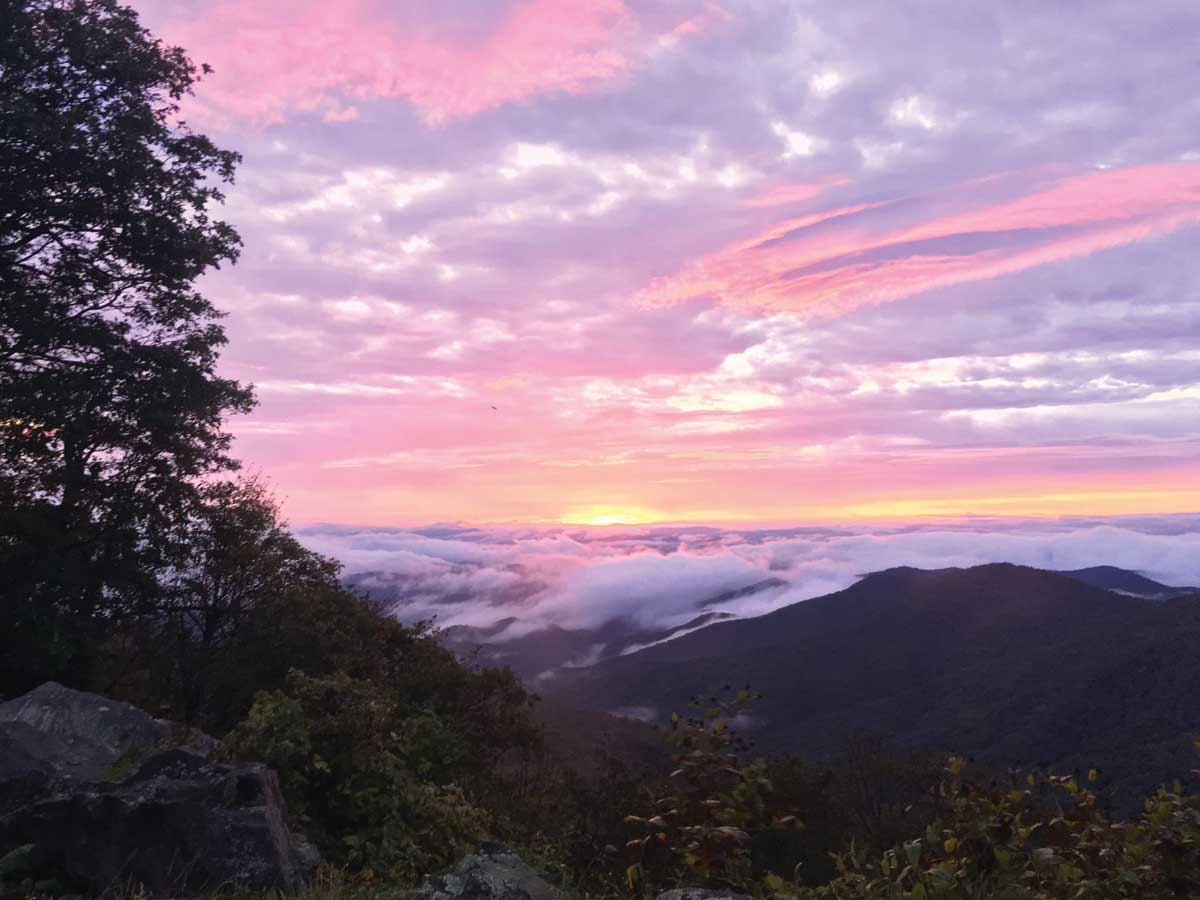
<point x="1015" y="665"/>
<point x="1125" y="582"/>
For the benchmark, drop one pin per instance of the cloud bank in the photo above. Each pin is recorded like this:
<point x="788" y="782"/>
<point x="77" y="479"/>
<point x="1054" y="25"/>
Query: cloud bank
<point x="663" y="577"/>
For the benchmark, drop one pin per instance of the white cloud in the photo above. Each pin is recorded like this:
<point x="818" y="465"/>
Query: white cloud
<point x="826" y="82"/>
<point x="659" y="577"/>
<point x="796" y="142"/>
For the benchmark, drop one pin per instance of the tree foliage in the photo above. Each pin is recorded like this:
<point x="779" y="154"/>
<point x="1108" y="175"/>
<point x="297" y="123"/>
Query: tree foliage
<point x="110" y="406"/>
<point x="371" y="779"/>
<point x="1044" y="838"/>
<point x="393" y="755"/>
<point x="970" y="834"/>
<point x="243" y="604"/>
<point x="702" y="820"/>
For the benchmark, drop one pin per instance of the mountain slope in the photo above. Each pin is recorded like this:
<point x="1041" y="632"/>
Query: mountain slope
<point x="542" y="653"/>
<point x="536" y="651"/>
<point x="1016" y="665"/>
<point x="1124" y="581"/>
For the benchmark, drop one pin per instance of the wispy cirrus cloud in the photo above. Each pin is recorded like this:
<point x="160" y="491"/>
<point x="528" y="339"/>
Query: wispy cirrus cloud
<point x="834" y="261"/>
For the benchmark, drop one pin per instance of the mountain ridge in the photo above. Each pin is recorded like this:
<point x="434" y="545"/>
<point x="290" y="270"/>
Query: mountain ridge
<point x="1017" y="665"/>
<point x="1127" y="581"/>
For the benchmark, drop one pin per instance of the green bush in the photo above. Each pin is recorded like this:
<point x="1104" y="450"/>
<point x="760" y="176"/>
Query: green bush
<point x="721" y="822"/>
<point x="702" y="820"/>
<point x="364" y="776"/>
<point x="1043" y="839"/>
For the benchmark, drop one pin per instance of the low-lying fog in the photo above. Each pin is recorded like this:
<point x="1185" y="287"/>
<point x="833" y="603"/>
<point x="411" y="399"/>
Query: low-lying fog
<point x="661" y="577"/>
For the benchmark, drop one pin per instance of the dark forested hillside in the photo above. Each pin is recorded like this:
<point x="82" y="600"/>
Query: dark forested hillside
<point x="1015" y="665"/>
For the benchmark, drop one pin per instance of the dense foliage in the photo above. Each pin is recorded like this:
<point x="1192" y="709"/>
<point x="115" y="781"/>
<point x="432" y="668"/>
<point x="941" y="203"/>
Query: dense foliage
<point x="991" y="836"/>
<point x="707" y="809"/>
<point x="727" y="819"/>
<point x="1045" y="839"/>
<point x="373" y="782"/>
<point x="393" y="756"/>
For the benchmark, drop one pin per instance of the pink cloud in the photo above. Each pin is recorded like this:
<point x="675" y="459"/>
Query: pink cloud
<point x="348" y="114"/>
<point x="272" y="59"/>
<point x="797" y="267"/>
<point x="711" y="18"/>
<point x="785" y="194"/>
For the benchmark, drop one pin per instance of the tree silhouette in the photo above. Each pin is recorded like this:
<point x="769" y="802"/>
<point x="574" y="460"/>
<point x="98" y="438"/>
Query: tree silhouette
<point x="110" y="407"/>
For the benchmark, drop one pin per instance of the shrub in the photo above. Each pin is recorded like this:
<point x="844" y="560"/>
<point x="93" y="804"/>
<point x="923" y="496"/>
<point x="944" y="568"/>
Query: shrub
<point x="363" y="775"/>
<point x="703" y="819"/>
<point x="1044" y="839"/>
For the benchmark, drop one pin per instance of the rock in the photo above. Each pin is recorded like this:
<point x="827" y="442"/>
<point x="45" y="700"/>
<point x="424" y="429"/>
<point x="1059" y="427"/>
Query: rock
<point x="701" y="894"/>
<point x="305" y="855"/>
<point x="492" y="872"/>
<point x="24" y="770"/>
<point x="86" y="736"/>
<point x="19" y="861"/>
<point x="90" y="797"/>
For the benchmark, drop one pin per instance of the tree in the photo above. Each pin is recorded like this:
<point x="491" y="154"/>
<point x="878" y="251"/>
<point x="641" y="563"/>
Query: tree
<point x="240" y="563"/>
<point x="110" y="406"/>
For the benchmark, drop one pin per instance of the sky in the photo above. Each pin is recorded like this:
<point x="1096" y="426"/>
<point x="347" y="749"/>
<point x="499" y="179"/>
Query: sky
<point x="597" y="261"/>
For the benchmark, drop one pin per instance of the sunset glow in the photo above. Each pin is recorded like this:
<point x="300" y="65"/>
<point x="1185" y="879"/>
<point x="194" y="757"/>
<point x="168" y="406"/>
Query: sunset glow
<point x="610" y="515"/>
<point x="604" y="262"/>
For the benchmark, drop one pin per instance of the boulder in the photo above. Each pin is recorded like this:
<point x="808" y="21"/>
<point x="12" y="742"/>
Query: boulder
<point x="95" y="793"/>
<point x="701" y="894"/>
<point x="25" y="771"/>
<point x="83" y="736"/>
<point x="492" y="872"/>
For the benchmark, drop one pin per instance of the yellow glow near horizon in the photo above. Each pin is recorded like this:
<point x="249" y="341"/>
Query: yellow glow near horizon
<point x="611" y="515"/>
<point x="1101" y="503"/>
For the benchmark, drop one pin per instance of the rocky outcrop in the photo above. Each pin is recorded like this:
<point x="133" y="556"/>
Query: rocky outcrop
<point x="95" y="793"/>
<point x="701" y="894"/>
<point x="87" y="737"/>
<point x="492" y="872"/>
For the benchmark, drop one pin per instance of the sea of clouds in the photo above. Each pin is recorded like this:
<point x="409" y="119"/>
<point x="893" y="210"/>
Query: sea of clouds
<point x="662" y="576"/>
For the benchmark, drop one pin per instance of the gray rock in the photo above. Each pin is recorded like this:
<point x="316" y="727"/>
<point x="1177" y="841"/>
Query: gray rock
<point x="492" y="872"/>
<point x="89" y="795"/>
<point x="80" y="735"/>
<point x="17" y="862"/>
<point x="25" y="772"/>
<point x="305" y="855"/>
<point x="701" y="894"/>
